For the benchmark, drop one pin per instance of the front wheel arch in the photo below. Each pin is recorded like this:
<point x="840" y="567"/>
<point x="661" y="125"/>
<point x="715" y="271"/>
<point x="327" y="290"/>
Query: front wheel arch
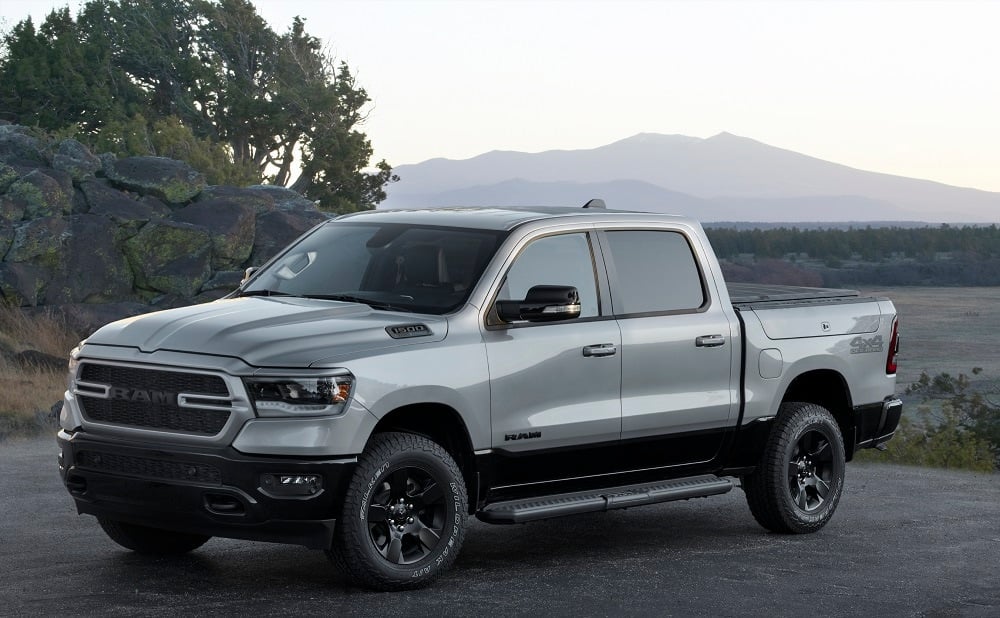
<point x="443" y="425"/>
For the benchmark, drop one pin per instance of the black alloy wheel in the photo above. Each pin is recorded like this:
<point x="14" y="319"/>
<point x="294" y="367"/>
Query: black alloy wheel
<point x="406" y="516"/>
<point x="810" y="471"/>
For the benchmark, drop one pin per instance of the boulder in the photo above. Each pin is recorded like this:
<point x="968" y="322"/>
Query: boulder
<point x="128" y="214"/>
<point x="19" y="146"/>
<point x="94" y="268"/>
<point x="40" y="242"/>
<point x="64" y="179"/>
<point x="8" y="175"/>
<point x="174" y="182"/>
<point x="170" y="257"/>
<point x="274" y="231"/>
<point x="6" y="238"/>
<point x="227" y="280"/>
<point x="40" y="195"/>
<point x="33" y="359"/>
<point x="80" y="205"/>
<point x="75" y="159"/>
<point x="286" y="200"/>
<point x="231" y="226"/>
<point x="160" y="209"/>
<point x="21" y="285"/>
<point x="107" y="162"/>
<point x="261" y="201"/>
<point x="11" y="208"/>
<point x="220" y="285"/>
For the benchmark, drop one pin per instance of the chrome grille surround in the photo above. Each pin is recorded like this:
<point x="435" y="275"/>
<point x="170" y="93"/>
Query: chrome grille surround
<point x="182" y="401"/>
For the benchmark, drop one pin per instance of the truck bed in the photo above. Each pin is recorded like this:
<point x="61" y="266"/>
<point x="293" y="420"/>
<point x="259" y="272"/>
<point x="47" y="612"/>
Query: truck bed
<point x="757" y="293"/>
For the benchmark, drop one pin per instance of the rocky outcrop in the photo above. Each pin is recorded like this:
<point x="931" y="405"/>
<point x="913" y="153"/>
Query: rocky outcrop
<point x="101" y="238"/>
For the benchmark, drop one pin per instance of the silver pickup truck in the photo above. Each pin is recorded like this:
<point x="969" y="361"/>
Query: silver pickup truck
<point x="392" y="373"/>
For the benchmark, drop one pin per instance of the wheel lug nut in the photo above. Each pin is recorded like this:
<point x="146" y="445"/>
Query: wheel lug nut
<point x="409" y="520"/>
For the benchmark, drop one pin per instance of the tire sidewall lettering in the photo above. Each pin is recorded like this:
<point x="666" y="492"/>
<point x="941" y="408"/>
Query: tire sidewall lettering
<point x="379" y="474"/>
<point x="444" y="548"/>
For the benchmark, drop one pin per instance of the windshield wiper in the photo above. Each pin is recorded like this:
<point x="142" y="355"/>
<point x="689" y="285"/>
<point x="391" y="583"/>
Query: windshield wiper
<point x="348" y="298"/>
<point x="264" y="293"/>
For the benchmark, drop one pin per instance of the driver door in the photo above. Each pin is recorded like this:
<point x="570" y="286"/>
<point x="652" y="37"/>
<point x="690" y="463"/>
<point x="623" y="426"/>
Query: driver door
<point x="555" y="386"/>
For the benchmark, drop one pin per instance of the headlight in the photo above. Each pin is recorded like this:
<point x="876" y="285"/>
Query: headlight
<point x="300" y="396"/>
<point x="74" y="362"/>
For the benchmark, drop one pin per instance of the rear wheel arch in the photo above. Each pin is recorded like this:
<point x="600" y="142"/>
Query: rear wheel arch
<point x="443" y="425"/>
<point x="828" y="389"/>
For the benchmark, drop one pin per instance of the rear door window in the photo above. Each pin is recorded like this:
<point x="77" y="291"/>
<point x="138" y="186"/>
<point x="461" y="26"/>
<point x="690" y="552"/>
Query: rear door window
<point x="654" y="272"/>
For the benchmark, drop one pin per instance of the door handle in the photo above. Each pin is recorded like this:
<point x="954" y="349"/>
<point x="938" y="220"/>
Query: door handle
<point x="603" y="349"/>
<point x="710" y="341"/>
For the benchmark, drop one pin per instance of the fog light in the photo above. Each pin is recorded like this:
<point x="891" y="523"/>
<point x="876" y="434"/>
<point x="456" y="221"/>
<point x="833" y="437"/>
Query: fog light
<point x="291" y="484"/>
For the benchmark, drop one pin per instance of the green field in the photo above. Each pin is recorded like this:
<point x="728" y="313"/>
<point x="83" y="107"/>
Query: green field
<point x="948" y="330"/>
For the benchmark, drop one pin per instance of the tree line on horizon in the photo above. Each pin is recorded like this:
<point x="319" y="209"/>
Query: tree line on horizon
<point x="944" y="255"/>
<point x="869" y="244"/>
<point x="204" y="81"/>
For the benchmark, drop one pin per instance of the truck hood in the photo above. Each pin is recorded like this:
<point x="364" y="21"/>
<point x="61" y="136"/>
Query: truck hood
<point x="270" y="331"/>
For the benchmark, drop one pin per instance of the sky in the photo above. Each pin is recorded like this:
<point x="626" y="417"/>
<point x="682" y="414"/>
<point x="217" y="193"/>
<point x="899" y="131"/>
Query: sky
<point x="902" y="87"/>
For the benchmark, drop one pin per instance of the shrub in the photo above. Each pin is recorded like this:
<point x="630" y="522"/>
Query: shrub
<point x="954" y="427"/>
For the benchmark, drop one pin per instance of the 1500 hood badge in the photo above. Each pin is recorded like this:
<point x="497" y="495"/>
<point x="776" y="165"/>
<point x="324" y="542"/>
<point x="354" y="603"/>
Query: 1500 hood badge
<point x="408" y="330"/>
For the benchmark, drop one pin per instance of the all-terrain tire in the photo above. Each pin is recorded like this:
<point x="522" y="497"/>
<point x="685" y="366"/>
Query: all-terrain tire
<point x="151" y="541"/>
<point x="404" y="514"/>
<point x="798" y="482"/>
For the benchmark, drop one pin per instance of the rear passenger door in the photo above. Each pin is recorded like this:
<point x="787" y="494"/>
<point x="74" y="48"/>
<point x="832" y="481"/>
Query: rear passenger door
<point x="677" y="349"/>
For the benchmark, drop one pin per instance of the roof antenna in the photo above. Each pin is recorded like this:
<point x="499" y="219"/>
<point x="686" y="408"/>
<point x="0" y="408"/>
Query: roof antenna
<point x="595" y="203"/>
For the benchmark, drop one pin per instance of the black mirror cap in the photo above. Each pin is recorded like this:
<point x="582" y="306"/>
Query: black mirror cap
<point x="543" y="303"/>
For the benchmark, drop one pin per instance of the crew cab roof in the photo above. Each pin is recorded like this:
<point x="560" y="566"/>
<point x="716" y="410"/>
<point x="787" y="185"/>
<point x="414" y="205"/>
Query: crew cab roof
<point x="502" y="217"/>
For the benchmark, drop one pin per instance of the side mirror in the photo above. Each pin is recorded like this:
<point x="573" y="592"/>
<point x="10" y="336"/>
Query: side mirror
<point x="543" y="303"/>
<point x="249" y="273"/>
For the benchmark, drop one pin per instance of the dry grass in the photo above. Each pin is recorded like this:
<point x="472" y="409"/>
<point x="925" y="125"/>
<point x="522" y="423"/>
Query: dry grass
<point x="20" y="331"/>
<point x="27" y="392"/>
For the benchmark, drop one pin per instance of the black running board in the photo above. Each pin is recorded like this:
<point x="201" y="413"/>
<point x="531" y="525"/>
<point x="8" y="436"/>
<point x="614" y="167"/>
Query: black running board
<point x="544" y="507"/>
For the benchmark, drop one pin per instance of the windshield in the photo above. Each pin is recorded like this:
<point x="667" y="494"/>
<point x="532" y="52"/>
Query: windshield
<point x="388" y="266"/>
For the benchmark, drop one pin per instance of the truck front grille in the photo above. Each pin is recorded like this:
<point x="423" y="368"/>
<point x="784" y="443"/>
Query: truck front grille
<point x="149" y="468"/>
<point x="153" y="399"/>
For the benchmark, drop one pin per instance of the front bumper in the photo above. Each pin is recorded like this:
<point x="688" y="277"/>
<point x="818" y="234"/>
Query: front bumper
<point x="216" y="492"/>
<point x="875" y="425"/>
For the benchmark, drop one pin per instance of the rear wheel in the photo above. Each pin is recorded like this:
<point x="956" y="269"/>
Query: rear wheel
<point x="153" y="541"/>
<point x="404" y="514"/>
<point x="798" y="481"/>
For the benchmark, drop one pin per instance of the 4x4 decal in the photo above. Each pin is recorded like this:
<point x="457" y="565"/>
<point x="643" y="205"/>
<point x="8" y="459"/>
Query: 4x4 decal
<point x="861" y="345"/>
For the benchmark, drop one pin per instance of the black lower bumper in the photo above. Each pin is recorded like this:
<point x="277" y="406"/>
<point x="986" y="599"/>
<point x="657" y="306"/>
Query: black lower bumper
<point x="875" y="425"/>
<point x="204" y="491"/>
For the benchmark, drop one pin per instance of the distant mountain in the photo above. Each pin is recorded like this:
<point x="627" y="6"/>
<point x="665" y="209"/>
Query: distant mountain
<point x="519" y="192"/>
<point x="724" y="177"/>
